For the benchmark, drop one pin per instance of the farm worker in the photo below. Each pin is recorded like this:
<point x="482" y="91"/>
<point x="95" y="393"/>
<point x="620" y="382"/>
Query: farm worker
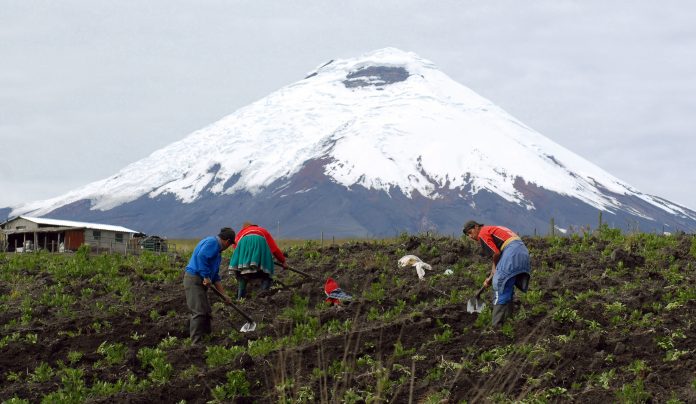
<point x="201" y="273"/>
<point x="253" y="257"/>
<point x="510" y="268"/>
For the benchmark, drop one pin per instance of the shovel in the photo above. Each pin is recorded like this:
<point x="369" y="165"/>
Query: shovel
<point x="475" y="304"/>
<point x="250" y="325"/>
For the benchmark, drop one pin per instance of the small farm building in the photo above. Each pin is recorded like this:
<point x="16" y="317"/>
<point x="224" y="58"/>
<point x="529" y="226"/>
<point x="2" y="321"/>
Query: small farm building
<point x="26" y="233"/>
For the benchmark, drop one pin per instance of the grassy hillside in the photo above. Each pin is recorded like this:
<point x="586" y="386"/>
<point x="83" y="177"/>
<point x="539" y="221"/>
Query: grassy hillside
<point x="608" y="317"/>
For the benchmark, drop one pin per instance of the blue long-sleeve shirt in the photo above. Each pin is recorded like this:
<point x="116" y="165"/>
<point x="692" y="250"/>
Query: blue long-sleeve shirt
<point x="205" y="260"/>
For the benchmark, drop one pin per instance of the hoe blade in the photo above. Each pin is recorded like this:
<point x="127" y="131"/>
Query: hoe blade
<point x="248" y="327"/>
<point x="475" y="305"/>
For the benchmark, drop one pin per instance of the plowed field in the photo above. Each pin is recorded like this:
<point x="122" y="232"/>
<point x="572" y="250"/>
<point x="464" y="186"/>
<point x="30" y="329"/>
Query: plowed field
<point x="608" y="318"/>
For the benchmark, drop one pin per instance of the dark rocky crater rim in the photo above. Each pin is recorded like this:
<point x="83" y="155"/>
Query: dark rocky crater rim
<point x="376" y="76"/>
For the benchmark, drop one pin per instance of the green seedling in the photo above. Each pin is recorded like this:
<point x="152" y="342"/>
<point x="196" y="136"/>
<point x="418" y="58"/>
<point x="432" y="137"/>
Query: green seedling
<point x="236" y="386"/>
<point x="74" y="357"/>
<point x="189" y="373"/>
<point x="42" y="373"/>
<point x="633" y="393"/>
<point x="114" y="354"/>
<point x="220" y="355"/>
<point x="161" y="370"/>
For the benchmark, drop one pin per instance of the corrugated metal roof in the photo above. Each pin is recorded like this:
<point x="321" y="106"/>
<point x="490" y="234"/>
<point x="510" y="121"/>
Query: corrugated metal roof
<point x="70" y="223"/>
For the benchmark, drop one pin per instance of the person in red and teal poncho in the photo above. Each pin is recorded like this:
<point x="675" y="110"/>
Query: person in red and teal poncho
<point x="253" y="258"/>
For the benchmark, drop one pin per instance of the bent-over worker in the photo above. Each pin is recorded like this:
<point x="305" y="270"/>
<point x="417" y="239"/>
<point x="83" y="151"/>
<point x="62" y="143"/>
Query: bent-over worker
<point x="511" y="265"/>
<point x="253" y="257"/>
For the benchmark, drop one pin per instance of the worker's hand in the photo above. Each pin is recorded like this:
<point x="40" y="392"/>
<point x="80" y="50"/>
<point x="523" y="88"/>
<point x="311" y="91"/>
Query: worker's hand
<point x="228" y="299"/>
<point x="487" y="282"/>
<point x="206" y="282"/>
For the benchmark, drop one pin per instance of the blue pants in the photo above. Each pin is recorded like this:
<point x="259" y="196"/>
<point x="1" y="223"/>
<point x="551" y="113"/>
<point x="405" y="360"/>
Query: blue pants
<point x="508" y="292"/>
<point x="512" y="269"/>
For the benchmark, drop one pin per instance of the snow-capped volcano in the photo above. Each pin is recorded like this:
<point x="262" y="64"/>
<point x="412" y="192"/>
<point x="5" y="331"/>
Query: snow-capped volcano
<point x="389" y="124"/>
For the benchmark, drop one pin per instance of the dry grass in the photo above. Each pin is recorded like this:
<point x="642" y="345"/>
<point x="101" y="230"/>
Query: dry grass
<point x="186" y="246"/>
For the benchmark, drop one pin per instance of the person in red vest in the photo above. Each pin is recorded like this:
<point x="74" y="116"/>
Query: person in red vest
<point x="511" y="265"/>
<point x="253" y="258"/>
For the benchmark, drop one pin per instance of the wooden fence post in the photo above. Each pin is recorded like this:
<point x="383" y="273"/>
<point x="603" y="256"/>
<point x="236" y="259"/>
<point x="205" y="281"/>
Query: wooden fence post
<point x="553" y="228"/>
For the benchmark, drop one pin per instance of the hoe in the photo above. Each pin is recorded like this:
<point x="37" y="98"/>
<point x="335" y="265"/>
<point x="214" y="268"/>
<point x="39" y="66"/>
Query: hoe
<point x="297" y="271"/>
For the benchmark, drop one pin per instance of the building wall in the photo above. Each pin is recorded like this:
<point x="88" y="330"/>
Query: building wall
<point x="20" y="223"/>
<point x="106" y="238"/>
<point x="74" y="238"/>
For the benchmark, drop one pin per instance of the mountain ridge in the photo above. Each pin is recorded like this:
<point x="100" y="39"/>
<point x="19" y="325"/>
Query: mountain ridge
<point x="387" y="122"/>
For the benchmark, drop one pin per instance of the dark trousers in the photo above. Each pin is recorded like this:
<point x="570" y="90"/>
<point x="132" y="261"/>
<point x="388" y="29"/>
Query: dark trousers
<point x="243" y="280"/>
<point x="197" y="302"/>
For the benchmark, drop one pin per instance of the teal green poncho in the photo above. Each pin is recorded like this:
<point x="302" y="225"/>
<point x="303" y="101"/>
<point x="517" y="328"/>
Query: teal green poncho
<point x="252" y="254"/>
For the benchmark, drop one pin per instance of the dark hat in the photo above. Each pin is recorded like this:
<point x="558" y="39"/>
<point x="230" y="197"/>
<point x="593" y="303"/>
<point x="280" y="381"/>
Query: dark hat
<point x="470" y="225"/>
<point x="226" y="233"/>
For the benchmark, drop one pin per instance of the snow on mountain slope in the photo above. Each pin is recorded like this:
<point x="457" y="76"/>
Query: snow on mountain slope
<point x="385" y="120"/>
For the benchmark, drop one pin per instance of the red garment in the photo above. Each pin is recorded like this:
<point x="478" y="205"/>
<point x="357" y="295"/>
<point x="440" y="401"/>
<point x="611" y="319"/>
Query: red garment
<point x="258" y="230"/>
<point x="329" y="287"/>
<point x="493" y="238"/>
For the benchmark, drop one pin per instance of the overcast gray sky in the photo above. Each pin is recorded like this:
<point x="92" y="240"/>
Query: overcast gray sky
<point x="87" y="87"/>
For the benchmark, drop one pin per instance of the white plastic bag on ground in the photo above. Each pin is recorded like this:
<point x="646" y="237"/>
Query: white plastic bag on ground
<point x="413" y="261"/>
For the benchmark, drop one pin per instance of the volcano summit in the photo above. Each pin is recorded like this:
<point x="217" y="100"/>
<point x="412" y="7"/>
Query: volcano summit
<point x="370" y="146"/>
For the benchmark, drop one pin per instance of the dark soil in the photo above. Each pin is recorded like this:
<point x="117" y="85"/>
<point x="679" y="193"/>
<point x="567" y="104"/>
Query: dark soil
<point x="607" y="318"/>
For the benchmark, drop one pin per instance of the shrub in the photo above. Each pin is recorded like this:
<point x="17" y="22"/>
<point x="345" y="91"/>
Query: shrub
<point x="147" y="355"/>
<point x="261" y="347"/>
<point x="236" y="386"/>
<point x="298" y="311"/>
<point x="633" y="393"/>
<point x="113" y="353"/>
<point x="566" y="315"/>
<point x="16" y="400"/>
<point x="161" y="370"/>
<point x="42" y="373"/>
<point x="306" y="331"/>
<point x="399" y="350"/>
<point x="219" y="355"/>
<point x="446" y="334"/>
<point x="74" y="357"/>
<point x="638" y="367"/>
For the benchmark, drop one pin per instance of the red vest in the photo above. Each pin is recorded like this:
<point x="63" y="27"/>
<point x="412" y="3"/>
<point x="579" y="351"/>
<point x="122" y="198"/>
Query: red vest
<point x="494" y="238"/>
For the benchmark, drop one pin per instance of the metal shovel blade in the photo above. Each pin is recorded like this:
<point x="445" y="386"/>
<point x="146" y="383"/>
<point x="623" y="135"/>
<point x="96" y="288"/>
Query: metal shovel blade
<point x="474" y="305"/>
<point x="248" y="327"/>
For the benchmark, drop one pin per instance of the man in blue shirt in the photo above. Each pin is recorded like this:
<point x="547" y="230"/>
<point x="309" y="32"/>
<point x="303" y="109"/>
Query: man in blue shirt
<point x="201" y="273"/>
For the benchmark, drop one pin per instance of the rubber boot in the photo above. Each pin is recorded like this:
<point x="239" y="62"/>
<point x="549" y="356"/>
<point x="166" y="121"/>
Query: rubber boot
<point x="266" y="282"/>
<point x="501" y="312"/>
<point x="241" y="290"/>
<point x="199" y="327"/>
